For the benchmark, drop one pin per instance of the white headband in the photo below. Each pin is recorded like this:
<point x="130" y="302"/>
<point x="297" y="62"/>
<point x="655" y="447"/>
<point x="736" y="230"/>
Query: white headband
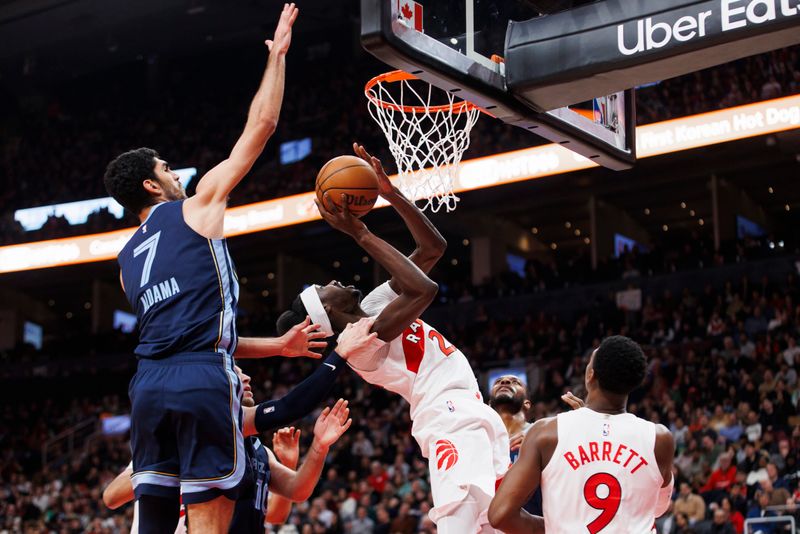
<point x="316" y="310"/>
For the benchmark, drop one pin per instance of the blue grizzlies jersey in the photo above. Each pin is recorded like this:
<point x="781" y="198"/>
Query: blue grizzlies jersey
<point x="251" y="506"/>
<point x="182" y="286"/>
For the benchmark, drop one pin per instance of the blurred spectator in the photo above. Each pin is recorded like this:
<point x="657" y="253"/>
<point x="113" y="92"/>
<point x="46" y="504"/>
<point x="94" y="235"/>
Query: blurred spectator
<point x="690" y="504"/>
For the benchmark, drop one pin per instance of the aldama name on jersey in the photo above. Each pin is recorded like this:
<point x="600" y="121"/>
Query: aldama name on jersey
<point x="605" y="451"/>
<point x="159" y="292"/>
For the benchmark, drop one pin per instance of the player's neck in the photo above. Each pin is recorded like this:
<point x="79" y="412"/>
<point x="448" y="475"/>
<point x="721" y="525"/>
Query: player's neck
<point x="605" y="404"/>
<point x="145" y="213"/>
<point x="513" y="421"/>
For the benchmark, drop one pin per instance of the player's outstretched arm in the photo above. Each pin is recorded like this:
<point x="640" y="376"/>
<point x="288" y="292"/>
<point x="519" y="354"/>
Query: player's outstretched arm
<point x="120" y="490"/>
<point x="298" y="341"/>
<point x="505" y="511"/>
<point x="430" y="243"/>
<point x="305" y="396"/>
<point x="416" y="290"/>
<point x="298" y="486"/>
<point x="286" y="444"/>
<point x="205" y="211"/>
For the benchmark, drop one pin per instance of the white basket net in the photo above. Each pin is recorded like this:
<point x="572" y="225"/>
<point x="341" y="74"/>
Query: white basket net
<point x="426" y="138"/>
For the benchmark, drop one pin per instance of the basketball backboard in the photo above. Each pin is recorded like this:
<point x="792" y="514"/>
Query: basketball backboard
<point x="459" y="45"/>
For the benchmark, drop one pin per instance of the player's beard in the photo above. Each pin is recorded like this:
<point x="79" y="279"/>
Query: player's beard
<point x="506" y="402"/>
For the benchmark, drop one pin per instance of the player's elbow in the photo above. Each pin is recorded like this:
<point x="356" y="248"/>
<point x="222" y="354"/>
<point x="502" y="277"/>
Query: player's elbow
<point x="431" y="253"/>
<point x="437" y="248"/>
<point x="111" y="499"/>
<point x="301" y="494"/>
<point x="498" y="515"/>
<point x="267" y="124"/>
<point x="428" y="290"/>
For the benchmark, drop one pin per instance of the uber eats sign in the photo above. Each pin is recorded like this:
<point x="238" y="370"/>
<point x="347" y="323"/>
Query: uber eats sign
<point x="605" y="47"/>
<point x="650" y="33"/>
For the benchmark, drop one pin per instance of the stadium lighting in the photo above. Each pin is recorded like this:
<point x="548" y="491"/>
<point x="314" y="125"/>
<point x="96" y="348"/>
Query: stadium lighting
<point x="667" y="137"/>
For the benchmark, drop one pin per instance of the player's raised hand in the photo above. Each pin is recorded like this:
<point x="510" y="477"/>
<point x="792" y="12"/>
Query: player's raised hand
<point x="286" y="446"/>
<point x="515" y="441"/>
<point x="573" y="401"/>
<point x="356" y="341"/>
<point x="299" y="340"/>
<point x="283" y="33"/>
<point x="339" y="217"/>
<point x="332" y="423"/>
<point x="385" y="187"/>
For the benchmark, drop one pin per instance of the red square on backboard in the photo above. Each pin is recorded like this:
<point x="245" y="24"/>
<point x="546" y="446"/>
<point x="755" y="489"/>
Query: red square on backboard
<point x="410" y="14"/>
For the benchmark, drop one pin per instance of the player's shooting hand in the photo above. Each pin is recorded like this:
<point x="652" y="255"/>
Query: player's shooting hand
<point x="340" y="217"/>
<point x="385" y="187"/>
<point x="332" y="423"/>
<point x="299" y="341"/>
<point x="286" y="446"/>
<point x="283" y="33"/>
<point x="573" y="401"/>
<point x="356" y="341"/>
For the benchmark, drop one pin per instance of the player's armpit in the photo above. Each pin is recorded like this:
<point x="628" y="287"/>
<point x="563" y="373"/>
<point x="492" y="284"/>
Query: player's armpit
<point x="505" y="511"/>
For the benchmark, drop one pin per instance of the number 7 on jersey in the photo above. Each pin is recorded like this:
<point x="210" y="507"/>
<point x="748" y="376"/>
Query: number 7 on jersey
<point x="149" y="245"/>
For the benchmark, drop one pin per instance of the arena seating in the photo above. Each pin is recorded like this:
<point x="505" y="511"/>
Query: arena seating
<point x="64" y="141"/>
<point x="722" y="377"/>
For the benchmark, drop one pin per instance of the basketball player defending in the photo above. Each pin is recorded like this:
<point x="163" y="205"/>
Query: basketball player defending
<point x="464" y="440"/>
<point x="601" y="469"/>
<point x="178" y="276"/>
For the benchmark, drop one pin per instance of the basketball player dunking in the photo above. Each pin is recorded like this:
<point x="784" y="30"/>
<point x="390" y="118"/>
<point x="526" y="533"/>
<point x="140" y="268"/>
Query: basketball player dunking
<point x="601" y="469"/>
<point x="186" y="433"/>
<point x="464" y="440"/>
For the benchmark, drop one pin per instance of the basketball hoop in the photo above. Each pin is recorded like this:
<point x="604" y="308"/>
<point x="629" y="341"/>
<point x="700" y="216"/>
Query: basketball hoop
<point x="426" y="138"/>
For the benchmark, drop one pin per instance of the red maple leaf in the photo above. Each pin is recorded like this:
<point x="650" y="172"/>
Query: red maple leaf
<point x="407" y="12"/>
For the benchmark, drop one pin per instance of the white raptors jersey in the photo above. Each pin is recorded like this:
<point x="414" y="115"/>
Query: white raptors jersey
<point x="423" y="367"/>
<point x="603" y="476"/>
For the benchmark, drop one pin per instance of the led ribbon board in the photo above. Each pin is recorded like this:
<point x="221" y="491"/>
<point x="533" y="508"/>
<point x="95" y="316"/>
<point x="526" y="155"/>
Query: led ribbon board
<point x="528" y="164"/>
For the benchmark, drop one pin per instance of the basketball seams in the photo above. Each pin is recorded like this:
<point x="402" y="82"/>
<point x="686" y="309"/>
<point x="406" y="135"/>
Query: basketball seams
<point x="337" y="171"/>
<point x="359" y="182"/>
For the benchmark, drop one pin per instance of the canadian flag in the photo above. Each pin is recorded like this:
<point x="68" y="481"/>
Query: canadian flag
<point x="410" y="13"/>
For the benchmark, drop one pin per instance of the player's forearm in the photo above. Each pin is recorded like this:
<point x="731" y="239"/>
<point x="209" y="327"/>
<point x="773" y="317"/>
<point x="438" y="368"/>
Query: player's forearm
<point x="521" y="522"/>
<point x="259" y="347"/>
<point x="300" y="400"/>
<point x="266" y="105"/>
<point x="308" y="475"/>
<point x="278" y="509"/>
<point x="430" y="243"/>
<point x="119" y="491"/>
<point x="409" y="278"/>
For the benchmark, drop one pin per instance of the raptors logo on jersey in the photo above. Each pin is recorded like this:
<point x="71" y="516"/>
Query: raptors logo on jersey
<point x="446" y="454"/>
<point x="438" y="382"/>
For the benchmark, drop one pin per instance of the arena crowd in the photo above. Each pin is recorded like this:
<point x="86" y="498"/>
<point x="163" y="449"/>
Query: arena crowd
<point x="722" y="376"/>
<point x="65" y="139"/>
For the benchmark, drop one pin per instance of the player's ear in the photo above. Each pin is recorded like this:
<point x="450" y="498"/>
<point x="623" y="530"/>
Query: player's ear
<point x="151" y="186"/>
<point x="526" y="405"/>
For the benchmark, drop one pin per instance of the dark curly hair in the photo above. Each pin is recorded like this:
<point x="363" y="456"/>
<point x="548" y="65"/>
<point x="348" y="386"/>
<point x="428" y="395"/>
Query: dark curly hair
<point x="295" y="315"/>
<point x="124" y="175"/>
<point x="619" y="365"/>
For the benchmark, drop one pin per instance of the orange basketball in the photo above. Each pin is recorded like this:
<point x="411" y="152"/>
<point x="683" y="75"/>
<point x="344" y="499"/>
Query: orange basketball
<point x="354" y="178"/>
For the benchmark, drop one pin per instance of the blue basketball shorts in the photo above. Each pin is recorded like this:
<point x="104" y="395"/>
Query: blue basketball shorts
<point x="186" y="427"/>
